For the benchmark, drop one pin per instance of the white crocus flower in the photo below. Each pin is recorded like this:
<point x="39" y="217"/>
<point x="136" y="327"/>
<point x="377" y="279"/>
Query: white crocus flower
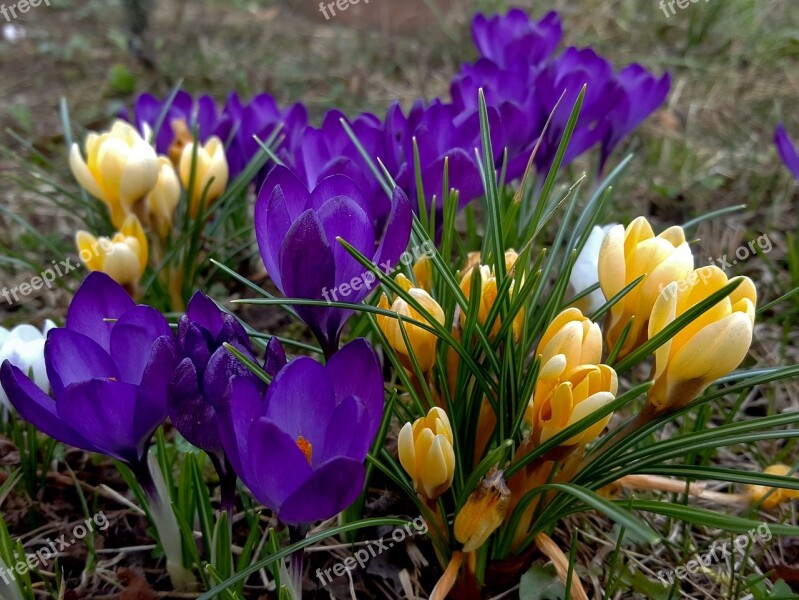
<point x="585" y="272"/>
<point x="23" y="346"/>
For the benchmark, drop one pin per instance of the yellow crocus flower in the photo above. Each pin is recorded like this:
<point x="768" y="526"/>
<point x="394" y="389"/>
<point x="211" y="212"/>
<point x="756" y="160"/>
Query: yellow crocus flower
<point x="423" y="272"/>
<point x="163" y="198"/>
<point x="426" y="453"/>
<point x="423" y="342"/>
<point x="488" y="293"/>
<point x="120" y="169"/>
<point x="626" y="255"/>
<point x="575" y="336"/>
<point x="710" y="347"/>
<point x="565" y="395"/>
<point x="483" y="512"/>
<point x="210" y="172"/>
<point x="123" y="257"/>
<point x="571" y="383"/>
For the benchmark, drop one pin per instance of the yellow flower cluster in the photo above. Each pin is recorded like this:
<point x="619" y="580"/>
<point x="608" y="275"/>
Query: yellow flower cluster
<point x="573" y="382"/>
<point x="122" y="170"/>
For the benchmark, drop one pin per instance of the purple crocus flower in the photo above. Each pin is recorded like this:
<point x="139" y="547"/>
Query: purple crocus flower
<point x="642" y="94"/>
<point x="569" y="73"/>
<point x="201" y="114"/>
<point x="259" y="119"/>
<point x="328" y="150"/>
<point x="203" y="379"/>
<point x="443" y="136"/>
<point x="297" y="230"/>
<point x="515" y="38"/>
<point x="205" y="370"/>
<point x="787" y="150"/>
<point x="301" y="448"/>
<point x="109" y="370"/>
<point x="511" y="93"/>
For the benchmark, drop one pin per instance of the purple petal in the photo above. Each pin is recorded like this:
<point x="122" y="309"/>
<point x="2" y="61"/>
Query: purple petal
<point x="132" y="341"/>
<point x="151" y="408"/>
<point x="189" y="412"/>
<point x="328" y="491"/>
<point x="398" y="232"/>
<point x="71" y="357"/>
<point x="103" y="411"/>
<point x="38" y="408"/>
<point x="301" y="386"/>
<point x="359" y="357"/>
<point x="204" y="312"/>
<point x="341" y="217"/>
<point x="223" y="367"/>
<point x="275" y="357"/>
<point x="99" y="297"/>
<point x="306" y="241"/>
<point x="236" y="412"/>
<point x="787" y="150"/>
<point x="344" y="433"/>
<point x="277" y="465"/>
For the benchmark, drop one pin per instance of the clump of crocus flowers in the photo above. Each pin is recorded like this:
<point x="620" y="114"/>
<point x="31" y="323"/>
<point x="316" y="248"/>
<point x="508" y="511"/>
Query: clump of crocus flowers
<point x="142" y="191"/>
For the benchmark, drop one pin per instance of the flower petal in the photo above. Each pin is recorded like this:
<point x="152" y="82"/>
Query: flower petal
<point x="102" y="410"/>
<point x="72" y="357"/>
<point x="98" y="298"/>
<point x="328" y="491"/>
<point x="38" y="408"/>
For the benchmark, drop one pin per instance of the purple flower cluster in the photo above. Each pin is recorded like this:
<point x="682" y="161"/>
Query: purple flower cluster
<point x="236" y="124"/>
<point x="117" y="371"/>
<point x="522" y="78"/>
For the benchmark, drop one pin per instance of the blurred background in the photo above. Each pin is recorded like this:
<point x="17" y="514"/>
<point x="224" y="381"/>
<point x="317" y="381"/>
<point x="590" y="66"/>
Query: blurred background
<point x="735" y="68"/>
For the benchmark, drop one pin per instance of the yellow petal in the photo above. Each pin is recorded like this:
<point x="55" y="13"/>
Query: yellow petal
<point x="407" y="451"/>
<point x="132" y="228"/>
<point x="88" y="245"/>
<point x="436" y="468"/>
<point x="140" y="174"/>
<point x="611" y="264"/>
<point x="81" y="172"/>
<point x="663" y="313"/>
<point x="587" y="407"/>
<point x="122" y="263"/>
<point x="715" y="351"/>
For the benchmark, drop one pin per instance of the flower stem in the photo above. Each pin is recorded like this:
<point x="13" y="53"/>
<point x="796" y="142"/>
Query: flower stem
<point x="163" y="517"/>
<point x="296" y="561"/>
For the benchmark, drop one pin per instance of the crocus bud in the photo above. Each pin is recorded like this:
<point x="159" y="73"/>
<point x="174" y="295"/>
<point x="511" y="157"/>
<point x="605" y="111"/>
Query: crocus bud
<point x="488" y="294"/>
<point x="576" y="337"/>
<point x="585" y="271"/>
<point x="710" y="347"/>
<point x="625" y="256"/>
<point x="770" y="497"/>
<point x="483" y="512"/>
<point x="120" y="169"/>
<point x="426" y="453"/>
<point x="123" y="257"/>
<point x="163" y="198"/>
<point x="423" y="343"/>
<point x="211" y="172"/>
<point x="423" y="272"/>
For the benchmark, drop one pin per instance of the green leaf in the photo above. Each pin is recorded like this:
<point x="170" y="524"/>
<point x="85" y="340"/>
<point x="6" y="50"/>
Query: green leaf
<point x="541" y="583"/>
